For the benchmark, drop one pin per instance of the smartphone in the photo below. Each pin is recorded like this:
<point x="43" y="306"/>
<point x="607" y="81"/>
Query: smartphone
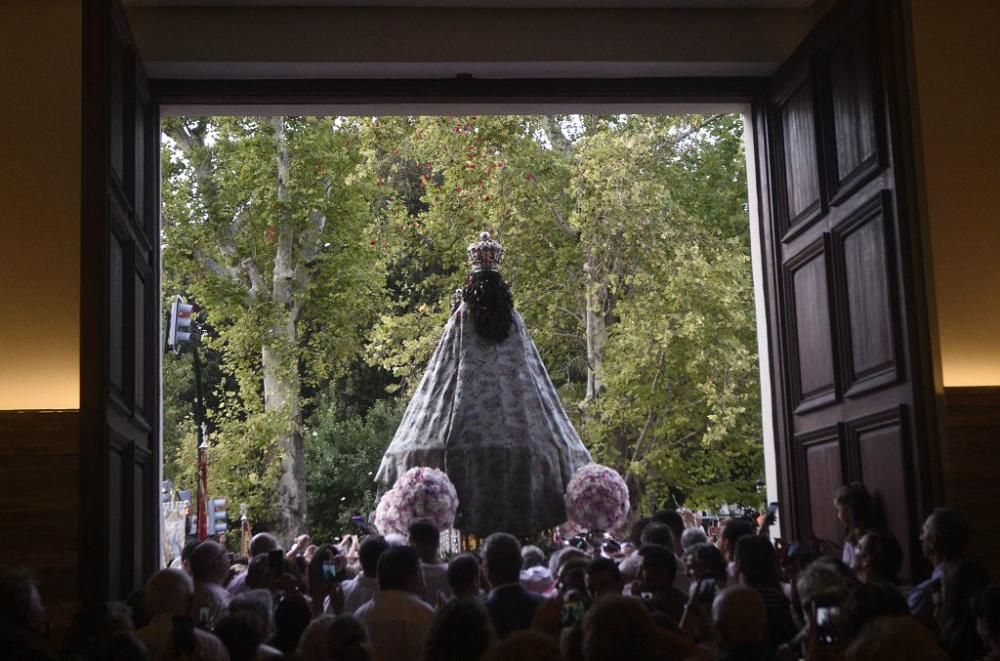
<point x="329" y="571"/>
<point x="827" y="624"/>
<point x="276" y="562"/>
<point x="183" y="634"/>
<point x="706" y="590"/>
<point x="204" y="617"/>
<point x="772" y="513"/>
<point x="363" y="527"/>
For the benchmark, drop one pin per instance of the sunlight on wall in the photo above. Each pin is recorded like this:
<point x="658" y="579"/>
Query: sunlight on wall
<point x="40" y="204"/>
<point x="956" y="50"/>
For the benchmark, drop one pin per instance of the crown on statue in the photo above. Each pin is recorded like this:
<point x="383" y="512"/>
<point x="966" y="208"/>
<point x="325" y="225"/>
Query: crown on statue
<point x="485" y="254"/>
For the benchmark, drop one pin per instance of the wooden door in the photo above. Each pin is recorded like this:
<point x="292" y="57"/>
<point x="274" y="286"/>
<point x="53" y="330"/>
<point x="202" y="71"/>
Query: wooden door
<point x="120" y="335"/>
<point x="846" y="292"/>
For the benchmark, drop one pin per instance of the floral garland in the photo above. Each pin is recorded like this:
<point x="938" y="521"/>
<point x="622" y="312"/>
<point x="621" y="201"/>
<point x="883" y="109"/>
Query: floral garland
<point x="419" y="493"/>
<point x="597" y="498"/>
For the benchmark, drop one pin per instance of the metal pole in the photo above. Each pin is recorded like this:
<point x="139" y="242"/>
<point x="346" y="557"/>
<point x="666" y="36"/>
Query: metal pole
<point x="199" y="414"/>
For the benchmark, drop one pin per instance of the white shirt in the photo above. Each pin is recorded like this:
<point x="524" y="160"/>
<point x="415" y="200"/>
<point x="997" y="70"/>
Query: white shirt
<point x="358" y="591"/>
<point x="397" y="624"/>
<point x="212" y="595"/>
<point x="681" y="580"/>
<point x="848" y="552"/>
<point x="157" y="636"/>
<point x="436" y="582"/>
<point x="537" y="579"/>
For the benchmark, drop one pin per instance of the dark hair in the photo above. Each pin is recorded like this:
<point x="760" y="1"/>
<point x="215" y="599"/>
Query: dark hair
<point x="988" y="608"/>
<point x="291" y="617"/>
<point x="369" y="552"/>
<point x="257" y="570"/>
<point x="711" y="556"/>
<point x="600" y="565"/>
<point x="950" y="530"/>
<point x="755" y="559"/>
<point x="488" y="299"/>
<point x="867" y="601"/>
<point x="240" y="634"/>
<point x="657" y="556"/>
<point x="885" y="554"/>
<point x="657" y="533"/>
<point x="620" y="628"/>
<point x="188" y="549"/>
<point x="462" y="570"/>
<point x="347" y="640"/>
<point x="460" y="631"/>
<point x="259" y="605"/>
<point x="424" y="533"/>
<point x="858" y="501"/>
<point x="673" y="519"/>
<point x="635" y="532"/>
<point x="263" y="542"/>
<point x="397" y="567"/>
<point x="502" y="553"/>
<point x="736" y="528"/>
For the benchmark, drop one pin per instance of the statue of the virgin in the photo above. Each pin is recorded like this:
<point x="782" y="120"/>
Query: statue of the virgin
<point x="487" y="414"/>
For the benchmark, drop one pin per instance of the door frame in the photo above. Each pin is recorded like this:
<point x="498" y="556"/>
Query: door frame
<point x="263" y="96"/>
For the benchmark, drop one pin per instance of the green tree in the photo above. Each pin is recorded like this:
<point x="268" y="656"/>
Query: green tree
<point x="264" y="226"/>
<point x="628" y="254"/>
<point x="323" y="252"/>
<point x="343" y="452"/>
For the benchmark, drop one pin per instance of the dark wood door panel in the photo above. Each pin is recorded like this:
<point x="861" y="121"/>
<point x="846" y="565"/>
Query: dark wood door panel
<point x="878" y="445"/>
<point x="811" y="348"/>
<point x="819" y="464"/>
<point x="867" y="303"/>
<point x="120" y="328"/>
<point x="856" y="126"/>
<point x="844" y="273"/>
<point x="800" y="180"/>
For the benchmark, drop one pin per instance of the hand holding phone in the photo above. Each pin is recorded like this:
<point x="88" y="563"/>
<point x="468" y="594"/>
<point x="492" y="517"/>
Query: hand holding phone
<point x="204" y="617"/>
<point x="827" y="622"/>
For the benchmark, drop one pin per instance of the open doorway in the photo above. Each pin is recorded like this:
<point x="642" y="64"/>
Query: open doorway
<point x="633" y="253"/>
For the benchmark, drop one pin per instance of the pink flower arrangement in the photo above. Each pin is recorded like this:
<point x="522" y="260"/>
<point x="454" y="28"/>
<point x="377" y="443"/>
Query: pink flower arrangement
<point x="597" y="498"/>
<point x="419" y="493"/>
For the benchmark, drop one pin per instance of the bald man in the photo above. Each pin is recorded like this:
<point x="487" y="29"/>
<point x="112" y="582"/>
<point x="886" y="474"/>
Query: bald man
<point x="209" y="568"/>
<point x="167" y="596"/>
<point x="740" y="622"/>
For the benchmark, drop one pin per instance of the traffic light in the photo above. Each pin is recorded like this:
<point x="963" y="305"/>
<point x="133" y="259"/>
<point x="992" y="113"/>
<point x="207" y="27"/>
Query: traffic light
<point x="218" y="519"/>
<point x="181" y="316"/>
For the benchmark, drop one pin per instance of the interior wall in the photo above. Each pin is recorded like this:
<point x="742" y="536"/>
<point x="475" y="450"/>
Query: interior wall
<point x="956" y="50"/>
<point x="40" y="136"/>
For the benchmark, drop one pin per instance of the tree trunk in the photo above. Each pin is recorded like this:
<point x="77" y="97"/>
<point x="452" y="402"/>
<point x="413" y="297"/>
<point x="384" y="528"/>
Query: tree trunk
<point x="597" y="313"/>
<point x="280" y="362"/>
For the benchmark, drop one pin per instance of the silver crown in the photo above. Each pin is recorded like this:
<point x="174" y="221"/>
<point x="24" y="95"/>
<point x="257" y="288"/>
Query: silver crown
<point x="485" y="254"/>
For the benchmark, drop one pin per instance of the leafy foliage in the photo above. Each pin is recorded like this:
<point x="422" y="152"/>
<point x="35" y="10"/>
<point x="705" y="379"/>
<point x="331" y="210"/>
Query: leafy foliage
<point x="342" y="455"/>
<point x="627" y="252"/>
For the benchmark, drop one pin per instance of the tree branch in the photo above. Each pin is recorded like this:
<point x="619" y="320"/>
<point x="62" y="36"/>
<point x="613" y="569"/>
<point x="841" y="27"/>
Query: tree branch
<point x="257" y="284"/>
<point x="679" y="138"/>
<point x="230" y="273"/>
<point x="649" y="418"/>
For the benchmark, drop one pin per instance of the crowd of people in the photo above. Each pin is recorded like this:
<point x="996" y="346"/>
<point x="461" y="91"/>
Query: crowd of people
<point x="666" y="592"/>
